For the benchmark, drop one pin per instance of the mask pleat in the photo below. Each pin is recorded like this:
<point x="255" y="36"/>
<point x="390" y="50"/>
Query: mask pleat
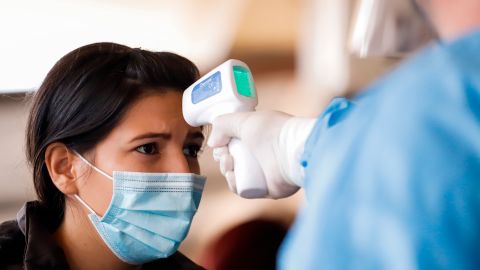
<point x="174" y="227"/>
<point x="154" y="200"/>
<point x="131" y="240"/>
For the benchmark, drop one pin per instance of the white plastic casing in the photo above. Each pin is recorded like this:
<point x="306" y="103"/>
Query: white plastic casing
<point x="249" y="177"/>
<point x="228" y="100"/>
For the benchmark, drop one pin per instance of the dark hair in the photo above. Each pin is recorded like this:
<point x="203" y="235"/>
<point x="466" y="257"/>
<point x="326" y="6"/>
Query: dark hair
<point x="85" y="95"/>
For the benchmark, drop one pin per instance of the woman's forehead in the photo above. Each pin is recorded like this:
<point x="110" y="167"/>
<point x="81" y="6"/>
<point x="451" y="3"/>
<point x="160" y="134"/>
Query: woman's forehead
<point x="159" y="112"/>
<point x="157" y="104"/>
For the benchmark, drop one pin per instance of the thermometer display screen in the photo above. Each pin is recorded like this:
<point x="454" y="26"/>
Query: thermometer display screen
<point x="244" y="81"/>
<point x="207" y="88"/>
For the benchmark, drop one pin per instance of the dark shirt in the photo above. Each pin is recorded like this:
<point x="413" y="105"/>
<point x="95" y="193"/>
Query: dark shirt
<point x="27" y="243"/>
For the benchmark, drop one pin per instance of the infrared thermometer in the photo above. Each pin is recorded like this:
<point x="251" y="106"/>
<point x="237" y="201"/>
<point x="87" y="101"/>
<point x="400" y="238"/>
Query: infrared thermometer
<point x="227" y="89"/>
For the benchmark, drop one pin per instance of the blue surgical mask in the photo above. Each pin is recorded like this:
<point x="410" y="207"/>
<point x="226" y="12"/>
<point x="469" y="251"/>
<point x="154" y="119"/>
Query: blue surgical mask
<point x="149" y="215"/>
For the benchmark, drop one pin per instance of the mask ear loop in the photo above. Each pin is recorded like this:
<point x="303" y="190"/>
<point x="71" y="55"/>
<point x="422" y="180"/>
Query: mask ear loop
<point x="97" y="170"/>
<point x="84" y="204"/>
<point x="93" y="166"/>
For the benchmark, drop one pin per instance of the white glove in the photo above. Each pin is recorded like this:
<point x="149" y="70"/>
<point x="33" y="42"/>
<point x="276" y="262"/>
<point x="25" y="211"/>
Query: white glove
<point x="275" y="139"/>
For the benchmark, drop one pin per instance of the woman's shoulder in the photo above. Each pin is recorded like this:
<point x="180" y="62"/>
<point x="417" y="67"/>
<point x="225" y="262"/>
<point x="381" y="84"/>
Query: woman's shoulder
<point x="12" y="244"/>
<point x="175" y="261"/>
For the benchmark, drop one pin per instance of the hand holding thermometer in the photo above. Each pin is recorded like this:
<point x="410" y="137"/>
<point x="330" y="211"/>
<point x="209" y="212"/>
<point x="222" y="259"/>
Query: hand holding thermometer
<point x="227" y="89"/>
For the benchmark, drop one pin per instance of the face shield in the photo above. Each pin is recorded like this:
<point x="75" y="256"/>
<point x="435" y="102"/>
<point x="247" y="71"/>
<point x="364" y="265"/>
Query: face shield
<point x="388" y="28"/>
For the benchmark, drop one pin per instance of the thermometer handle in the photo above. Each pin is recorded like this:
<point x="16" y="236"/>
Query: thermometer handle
<point x="249" y="178"/>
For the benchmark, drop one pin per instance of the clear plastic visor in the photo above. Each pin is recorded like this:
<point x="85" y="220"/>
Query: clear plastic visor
<point x="388" y="28"/>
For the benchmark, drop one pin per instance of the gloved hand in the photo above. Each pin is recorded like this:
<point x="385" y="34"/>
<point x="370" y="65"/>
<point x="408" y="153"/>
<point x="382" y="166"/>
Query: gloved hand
<point x="275" y="139"/>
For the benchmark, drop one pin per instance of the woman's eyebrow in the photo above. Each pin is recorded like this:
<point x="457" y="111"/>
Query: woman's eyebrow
<point x="196" y="135"/>
<point x="151" y="135"/>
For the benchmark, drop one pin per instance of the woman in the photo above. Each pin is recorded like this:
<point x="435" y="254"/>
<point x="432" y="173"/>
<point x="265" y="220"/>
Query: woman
<point x="114" y="164"/>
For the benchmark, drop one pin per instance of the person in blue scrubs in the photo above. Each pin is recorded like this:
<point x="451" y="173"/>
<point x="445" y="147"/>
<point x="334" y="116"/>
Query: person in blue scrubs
<point x="391" y="176"/>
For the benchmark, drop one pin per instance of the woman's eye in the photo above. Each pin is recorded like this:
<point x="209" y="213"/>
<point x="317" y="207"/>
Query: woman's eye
<point x="147" y="149"/>
<point x="192" y="150"/>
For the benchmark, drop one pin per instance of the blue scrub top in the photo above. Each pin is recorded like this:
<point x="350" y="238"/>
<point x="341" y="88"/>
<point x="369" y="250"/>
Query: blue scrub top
<point x="392" y="177"/>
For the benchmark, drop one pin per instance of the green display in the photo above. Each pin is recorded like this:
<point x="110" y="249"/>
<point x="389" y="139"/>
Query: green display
<point x="244" y="81"/>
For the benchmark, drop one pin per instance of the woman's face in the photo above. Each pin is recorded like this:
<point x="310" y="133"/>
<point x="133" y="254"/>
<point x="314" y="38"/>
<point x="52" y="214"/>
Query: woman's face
<point x="151" y="137"/>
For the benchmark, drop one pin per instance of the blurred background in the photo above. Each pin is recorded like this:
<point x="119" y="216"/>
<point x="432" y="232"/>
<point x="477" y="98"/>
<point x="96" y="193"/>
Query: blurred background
<point x="296" y="49"/>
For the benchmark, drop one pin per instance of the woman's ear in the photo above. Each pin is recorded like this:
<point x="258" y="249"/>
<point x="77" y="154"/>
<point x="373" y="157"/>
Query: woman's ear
<point x="60" y="163"/>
